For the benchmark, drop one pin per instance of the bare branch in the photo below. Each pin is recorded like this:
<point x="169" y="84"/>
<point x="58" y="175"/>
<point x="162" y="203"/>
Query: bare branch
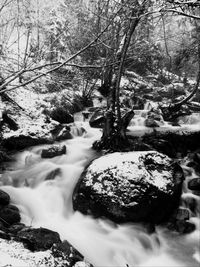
<point x="180" y="13"/>
<point x="2" y="87"/>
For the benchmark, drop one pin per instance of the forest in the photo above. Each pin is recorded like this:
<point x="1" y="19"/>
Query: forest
<point x="99" y="133"/>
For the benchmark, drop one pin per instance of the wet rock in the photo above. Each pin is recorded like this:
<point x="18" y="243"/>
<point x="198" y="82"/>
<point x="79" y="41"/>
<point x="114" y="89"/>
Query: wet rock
<point x="53" y="151"/>
<point x="150" y="122"/>
<point x="16" y="227"/>
<point x="86" y="115"/>
<point x="52" y="175"/>
<point x="182" y="214"/>
<point x="22" y="141"/>
<point x="9" y="215"/>
<point x="177" y="139"/>
<point x="191" y="203"/>
<point x="64" y="134"/>
<point x="134" y="186"/>
<point x="162" y="146"/>
<point x="4" y="198"/>
<point x="97" y="119"/>
<point x="7" y="118"/>
<point x="77" y="131"/>
<point x="181" y="226"/>
<point x="154" y="118"/>
<point x="61" y="115"/>
<point x="4" y="156"/>
<point x="4" y="235"/>
<point x="2" y="227"/>
<point x="194" y="184"/>
<point x="67" y="252"/>
<point x="38" y="239"/>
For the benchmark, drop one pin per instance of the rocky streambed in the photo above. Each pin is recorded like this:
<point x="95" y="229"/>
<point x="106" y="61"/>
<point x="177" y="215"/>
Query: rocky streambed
<point x="144" y="187"/>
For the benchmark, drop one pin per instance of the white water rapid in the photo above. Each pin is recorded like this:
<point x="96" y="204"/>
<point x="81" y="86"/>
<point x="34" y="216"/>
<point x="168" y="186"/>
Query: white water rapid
<point x="48" y="203"/>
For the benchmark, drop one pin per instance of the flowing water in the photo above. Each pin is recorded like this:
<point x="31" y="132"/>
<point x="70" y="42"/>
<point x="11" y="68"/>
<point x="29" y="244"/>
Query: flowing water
<point x="48" y="203"/>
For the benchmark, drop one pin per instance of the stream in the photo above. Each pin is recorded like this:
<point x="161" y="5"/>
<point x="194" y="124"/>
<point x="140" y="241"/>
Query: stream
<point x="48" y="203"/>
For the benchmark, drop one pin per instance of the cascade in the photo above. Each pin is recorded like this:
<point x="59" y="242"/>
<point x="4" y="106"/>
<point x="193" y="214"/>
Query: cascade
<point x="48" y="203"/>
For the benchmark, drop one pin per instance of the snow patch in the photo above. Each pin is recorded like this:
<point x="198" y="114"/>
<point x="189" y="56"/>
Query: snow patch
<point x="14" y="254"/>
<point x="125" y="165"/>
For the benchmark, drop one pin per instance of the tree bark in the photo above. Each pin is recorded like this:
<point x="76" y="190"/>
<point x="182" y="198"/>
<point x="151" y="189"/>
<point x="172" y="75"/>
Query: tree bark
<point x="115" y="128"/>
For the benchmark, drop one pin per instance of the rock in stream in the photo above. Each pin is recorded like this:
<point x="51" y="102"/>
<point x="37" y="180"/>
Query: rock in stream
<point x="133" y="186"/>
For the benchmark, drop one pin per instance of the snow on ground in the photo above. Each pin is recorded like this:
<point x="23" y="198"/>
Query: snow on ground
<point x="30" y="100"/>
<point x="29" y="117"/>
<point x="13" y="254"/>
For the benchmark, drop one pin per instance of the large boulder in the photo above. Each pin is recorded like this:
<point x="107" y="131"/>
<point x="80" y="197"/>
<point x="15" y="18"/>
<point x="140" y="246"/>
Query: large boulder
<point x="38" y="239"/>
<point x="20" y="141"/>
<point x="133" y="186"/>
<point x="61" y="115"/>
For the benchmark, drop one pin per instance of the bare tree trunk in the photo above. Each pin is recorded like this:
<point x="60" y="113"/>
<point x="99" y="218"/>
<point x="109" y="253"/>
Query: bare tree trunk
<point x="115" y="126"/>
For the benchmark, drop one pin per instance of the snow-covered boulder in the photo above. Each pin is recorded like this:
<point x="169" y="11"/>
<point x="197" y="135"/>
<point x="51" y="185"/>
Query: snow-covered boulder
<point x="133" y="186"/>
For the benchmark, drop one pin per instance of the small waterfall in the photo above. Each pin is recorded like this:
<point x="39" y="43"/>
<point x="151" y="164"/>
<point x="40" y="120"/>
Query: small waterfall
<point x="139" y="118"/>
<point x="149" y="105"/>
<point x="48" y="203"/>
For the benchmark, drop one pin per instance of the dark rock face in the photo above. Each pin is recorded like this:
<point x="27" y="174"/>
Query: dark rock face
<point x="9" y="215"/>
<point x="37" y="239"/>
<point x="64" y="134"/>
<point x="170" y="143"/>
<point x="23" y="141"/>
<point x="179" y="222"/>
<point x="134" y="186"/>
<point x="4" y="198"/>
<point x="16" y="227"/>
<point x="194" y="184"/>
<point x="183" y="227"/>
<point x="53" y="151"/>
<point x="7" y="118"/>
<point x="97" y="119"/>
<point x="61" y="132"/>
<point x="61" y="115"/>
